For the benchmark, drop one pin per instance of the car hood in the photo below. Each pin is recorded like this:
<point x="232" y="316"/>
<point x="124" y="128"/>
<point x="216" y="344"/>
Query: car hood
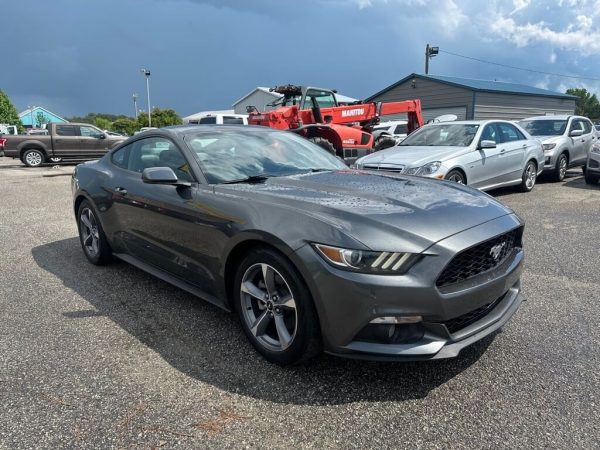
<point x="548" y="139"/>
<point x="412" y="156"/>
<point x="382" y="211"/>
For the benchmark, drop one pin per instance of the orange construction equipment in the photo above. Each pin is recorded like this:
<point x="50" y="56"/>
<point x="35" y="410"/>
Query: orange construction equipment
<point x="345" y="130"/>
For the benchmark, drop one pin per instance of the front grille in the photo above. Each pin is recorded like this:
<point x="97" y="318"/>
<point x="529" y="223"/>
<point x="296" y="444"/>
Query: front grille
<point x="480" y="258"/>
<point x="460" y="322"/>
<point x="593" y="164"/>
<point x="395" y="169"/>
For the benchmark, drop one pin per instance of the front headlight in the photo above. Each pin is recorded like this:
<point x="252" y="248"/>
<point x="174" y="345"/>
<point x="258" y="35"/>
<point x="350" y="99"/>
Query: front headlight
<point x="429" y="169"/>
<point x="364" y="261"/>
<point x="411" y="171"/>
<point x="548" y="146"/>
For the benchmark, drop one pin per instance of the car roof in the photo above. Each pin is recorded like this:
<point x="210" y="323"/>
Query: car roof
<point x="183" y="129"/>
<point x="470" y="122"/>
<point x="554" y="117"/>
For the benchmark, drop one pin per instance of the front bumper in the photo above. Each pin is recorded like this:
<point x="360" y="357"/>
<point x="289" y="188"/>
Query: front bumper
<point x="550" y="159"/>
<point x="347" y="302"/>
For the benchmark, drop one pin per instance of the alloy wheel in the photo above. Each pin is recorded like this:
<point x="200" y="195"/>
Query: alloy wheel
<point x="456" y="178"/>
<point x="90" y="236"/>
<point x="562" y="167"/>
<point x="268" y="307"/>
<point x="530" y="176"/>
<point x="33" y="158"/>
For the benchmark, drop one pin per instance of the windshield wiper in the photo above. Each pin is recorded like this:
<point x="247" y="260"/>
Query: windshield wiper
<point x="250" y="179"/>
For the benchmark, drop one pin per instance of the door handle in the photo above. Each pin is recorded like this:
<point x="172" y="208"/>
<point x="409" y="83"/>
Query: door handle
<point x="503" y="150"/>
<point x="121" y="190"/>
<point x="524" y="145"/>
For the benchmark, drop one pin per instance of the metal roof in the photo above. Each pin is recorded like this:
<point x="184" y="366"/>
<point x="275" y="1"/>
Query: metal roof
<point x="481" y="86"/>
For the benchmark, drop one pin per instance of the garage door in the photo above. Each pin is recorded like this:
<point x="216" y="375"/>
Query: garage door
<point x="432" y="113"/>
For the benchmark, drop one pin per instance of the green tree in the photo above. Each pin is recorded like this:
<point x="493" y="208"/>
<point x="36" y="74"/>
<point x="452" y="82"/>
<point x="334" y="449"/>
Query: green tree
<point x="160" y="118"/>
<point x="40" y="119"/>
<point x="8" y="112"/>
<point x="125" y="125"/>
<point x="587" y="104"/>
<point x="103" y="123"/>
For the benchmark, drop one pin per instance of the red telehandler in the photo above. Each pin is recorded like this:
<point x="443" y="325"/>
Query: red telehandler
<point x="346" y="131"/>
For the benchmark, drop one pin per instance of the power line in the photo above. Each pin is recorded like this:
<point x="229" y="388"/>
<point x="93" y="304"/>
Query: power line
<point x="520" y="68"/>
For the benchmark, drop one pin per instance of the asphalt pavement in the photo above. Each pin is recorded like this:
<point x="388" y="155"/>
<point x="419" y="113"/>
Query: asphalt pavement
<point x="111" y="357"/>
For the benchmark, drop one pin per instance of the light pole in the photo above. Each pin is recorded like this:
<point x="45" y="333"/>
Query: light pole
<point x="135" y="109"/>
<point x="146" y="73"/>
<point x="430" y="52"/>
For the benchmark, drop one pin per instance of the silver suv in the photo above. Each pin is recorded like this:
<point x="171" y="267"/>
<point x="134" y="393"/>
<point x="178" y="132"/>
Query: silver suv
<point x="566" y="140"/>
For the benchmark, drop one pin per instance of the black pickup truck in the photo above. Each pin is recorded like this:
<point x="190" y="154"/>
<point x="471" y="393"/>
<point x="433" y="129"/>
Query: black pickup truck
<point x="64" y="141"/>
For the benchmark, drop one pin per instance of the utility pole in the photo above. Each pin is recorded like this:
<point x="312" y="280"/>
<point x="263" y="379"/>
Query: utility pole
<point x="430" y="52"/>
<point x="135" y="97"/>
<point x="146" y="73"/>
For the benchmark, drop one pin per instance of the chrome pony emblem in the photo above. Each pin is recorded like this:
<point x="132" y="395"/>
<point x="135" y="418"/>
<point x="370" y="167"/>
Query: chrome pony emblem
<point x="496" y="250"/>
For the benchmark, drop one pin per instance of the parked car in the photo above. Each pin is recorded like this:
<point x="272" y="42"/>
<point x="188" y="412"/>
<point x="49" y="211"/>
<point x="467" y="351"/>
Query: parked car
<point x="68" y="141"/>
<point x="398" y="129"/>
<point x="591" y="170"/>
<point x="566" y="140"/>
<point x="221" y="119"/>
<point x="484" y="154"/>
<point x="309" y="254"/>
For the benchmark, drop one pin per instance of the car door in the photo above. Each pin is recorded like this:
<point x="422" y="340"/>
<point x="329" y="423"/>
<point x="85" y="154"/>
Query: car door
<point x="92" y="141"/>
<point x="482" y="167"/>
<point x="586" y="141"/>
<point x="512" y="155"/>
<point x="577" y="142"/>
<point x="65" y="140"/>
<point x="159" y="224"/>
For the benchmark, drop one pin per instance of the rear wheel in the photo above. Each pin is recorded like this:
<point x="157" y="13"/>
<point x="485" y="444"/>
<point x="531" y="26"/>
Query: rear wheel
<point x="384" y="141"/>
<point x="33" y="157"/>
<point x="456" y="176"/>
<point x="275" y="308"/>
<point x="560" y="170"/>
<point x="324" y="143"/>
<point x="91" y="235"/>
<point x="529" y="177"/>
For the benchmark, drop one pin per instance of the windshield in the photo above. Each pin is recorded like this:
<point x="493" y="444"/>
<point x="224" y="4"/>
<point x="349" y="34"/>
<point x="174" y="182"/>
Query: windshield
<point x="544" y="127"/>
<point x="226" y="156"/>
<point x="443" y="135"/>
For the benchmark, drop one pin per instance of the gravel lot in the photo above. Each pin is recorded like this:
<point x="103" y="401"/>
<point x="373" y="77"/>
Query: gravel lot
<point x="113" y="358"/>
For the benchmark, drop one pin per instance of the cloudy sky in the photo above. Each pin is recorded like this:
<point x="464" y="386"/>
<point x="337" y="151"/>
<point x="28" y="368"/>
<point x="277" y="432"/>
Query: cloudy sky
<point x="80" y="56"/>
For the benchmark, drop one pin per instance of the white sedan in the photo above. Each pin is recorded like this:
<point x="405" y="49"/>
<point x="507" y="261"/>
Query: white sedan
<point x="485" y="154"/>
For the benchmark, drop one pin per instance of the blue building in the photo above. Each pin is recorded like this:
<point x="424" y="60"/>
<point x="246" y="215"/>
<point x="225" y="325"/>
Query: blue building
<point x="36" y="117"/>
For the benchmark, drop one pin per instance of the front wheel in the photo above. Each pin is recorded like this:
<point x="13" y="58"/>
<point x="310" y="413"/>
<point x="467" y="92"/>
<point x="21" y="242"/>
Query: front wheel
<point x="34" y="158"/>
<point x="560" y="170"/>
<point x="529" y="177"/>
<point x="275" y="308"/>
<point x="590" y="178"/>
<point x="323" y="143"/>
<point x="456" y="176"/>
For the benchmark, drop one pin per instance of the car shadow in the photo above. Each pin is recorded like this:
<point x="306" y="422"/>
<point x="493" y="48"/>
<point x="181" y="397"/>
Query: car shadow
<point x="579" y="183"/>
<point x="208" y="344"/>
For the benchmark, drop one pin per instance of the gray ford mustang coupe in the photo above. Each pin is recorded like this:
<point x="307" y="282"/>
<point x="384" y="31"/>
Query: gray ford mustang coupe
<point x="310" y="255"/>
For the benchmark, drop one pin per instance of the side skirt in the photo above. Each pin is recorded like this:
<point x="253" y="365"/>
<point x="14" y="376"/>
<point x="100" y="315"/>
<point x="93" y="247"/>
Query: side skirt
<point x="175" y="281"/>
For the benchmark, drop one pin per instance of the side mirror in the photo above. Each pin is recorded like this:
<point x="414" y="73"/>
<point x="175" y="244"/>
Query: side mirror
<point x="487" y="144"/>
<point x="576" y="133"/>
<point x="102" y="136"/>
<point x="162" y="175"/>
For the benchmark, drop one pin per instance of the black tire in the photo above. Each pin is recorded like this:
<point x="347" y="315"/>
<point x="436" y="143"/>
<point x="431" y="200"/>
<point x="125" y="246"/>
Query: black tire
<point x="324" y="143"/>
<point x="270" y="312"/>
<point x="100" y="253"/>
<point x="560" y="169"/>
<point x="33" y="157"/>
<point x="591" y="178"/>
<point x="457" y="176"/>
<point x="383" y="141"/>
<point x="529" y="177"/>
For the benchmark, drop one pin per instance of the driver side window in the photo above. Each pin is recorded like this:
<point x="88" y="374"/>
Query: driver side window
<point x="159" y="152"/>
<point x="90" y="132"/>
<point x="489" y="133"/>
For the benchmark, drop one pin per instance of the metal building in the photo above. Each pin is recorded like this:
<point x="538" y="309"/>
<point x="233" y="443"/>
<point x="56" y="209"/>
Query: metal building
<point x="475" y="99"/>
